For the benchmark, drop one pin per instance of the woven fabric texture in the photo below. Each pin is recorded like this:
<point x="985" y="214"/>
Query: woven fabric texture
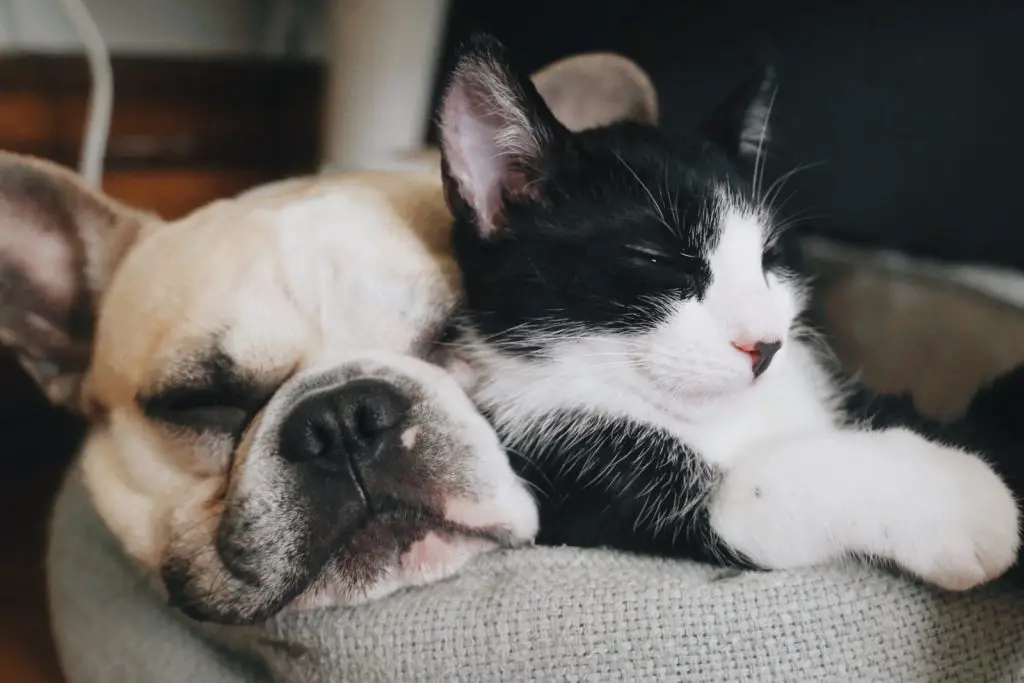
<point x="543" y="614"/>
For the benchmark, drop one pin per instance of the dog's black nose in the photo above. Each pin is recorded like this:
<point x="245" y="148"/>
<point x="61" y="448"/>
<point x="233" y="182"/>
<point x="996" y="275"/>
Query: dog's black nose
<point x="348" y="422"/>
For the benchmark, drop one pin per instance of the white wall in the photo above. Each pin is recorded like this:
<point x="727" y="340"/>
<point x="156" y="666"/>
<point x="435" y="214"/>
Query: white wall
<point x="170" y="27"/>
<point x="385" y="53"/>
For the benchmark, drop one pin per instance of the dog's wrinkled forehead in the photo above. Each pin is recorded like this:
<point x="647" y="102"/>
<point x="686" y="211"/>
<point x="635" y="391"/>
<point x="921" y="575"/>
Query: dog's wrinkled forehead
<point x="278" y="281"/>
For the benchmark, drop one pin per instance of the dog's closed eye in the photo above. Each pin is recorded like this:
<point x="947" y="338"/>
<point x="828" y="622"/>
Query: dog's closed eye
<point x="211" y="395"/>
<point x="200" y="409"/>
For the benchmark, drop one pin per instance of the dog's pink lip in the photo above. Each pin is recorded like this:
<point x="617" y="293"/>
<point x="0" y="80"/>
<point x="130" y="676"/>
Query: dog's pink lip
<point x="497" y="534"/>
<point x="442" y="553"/>
<point x="381" y="509"/>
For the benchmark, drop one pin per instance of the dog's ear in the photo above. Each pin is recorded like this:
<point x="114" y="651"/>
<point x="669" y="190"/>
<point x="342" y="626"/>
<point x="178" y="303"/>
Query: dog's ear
<point x="60" y="242"/>
<point x="496" y="136"/>
<point x="596" y="89"/>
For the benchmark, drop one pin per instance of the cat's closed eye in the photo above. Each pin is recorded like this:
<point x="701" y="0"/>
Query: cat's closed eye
<point x="646" y="255"/>
<point x="649" y="254"/>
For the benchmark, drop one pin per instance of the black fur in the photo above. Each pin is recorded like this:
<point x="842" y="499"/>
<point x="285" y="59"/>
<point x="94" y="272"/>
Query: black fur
<point x="593" y="262"/>
<point x="636" y="489"/>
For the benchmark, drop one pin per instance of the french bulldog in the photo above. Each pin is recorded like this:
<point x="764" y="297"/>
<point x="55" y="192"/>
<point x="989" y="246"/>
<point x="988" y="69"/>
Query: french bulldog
<point x="271" y="421"/>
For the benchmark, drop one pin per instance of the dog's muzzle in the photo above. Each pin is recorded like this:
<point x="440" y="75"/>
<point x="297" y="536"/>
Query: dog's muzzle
<point x="362" y="476"/>
<point x="340" y="447"/>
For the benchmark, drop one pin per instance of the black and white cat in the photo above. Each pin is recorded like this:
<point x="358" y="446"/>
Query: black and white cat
<point x="632" y="333"/>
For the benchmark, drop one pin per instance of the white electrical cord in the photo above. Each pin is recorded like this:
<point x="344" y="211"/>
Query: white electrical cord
<point x="101" y="97"/>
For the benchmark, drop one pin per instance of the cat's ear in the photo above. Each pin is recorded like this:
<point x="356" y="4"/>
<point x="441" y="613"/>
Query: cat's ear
<point x="596" y="89"/>
<point x="496" y="135"/>
<point x="60" y="242"/>
<point x="740" y="124"/>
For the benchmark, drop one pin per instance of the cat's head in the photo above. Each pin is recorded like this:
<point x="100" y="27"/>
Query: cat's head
<point x="618" y="244"/>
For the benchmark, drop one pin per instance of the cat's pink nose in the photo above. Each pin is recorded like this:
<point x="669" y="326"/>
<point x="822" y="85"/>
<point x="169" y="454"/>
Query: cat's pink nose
<point x="761" y="354"/>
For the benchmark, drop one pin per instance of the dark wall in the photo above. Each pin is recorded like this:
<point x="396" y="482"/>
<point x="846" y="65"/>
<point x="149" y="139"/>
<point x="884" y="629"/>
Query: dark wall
<point x="911" y="109"/>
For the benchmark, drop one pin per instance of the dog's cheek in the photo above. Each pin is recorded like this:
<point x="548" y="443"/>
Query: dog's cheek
<point x="211" y="453"/>
<point x="216" y="597"/>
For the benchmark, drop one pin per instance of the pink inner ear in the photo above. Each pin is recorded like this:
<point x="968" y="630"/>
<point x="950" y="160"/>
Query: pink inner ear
<point x="43" y="255"/>
<point x="486" y="147"/>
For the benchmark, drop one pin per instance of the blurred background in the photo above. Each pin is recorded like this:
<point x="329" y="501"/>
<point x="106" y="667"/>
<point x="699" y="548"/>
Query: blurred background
<point x="907" y="114"/>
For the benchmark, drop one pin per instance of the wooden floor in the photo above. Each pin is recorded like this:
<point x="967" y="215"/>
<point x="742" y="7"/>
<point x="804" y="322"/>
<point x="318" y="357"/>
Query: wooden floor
<point x="30" y="470"/>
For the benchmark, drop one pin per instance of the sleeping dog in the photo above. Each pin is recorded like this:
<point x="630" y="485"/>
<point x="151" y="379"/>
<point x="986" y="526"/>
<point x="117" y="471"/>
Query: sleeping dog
<point x="270" y="422"/>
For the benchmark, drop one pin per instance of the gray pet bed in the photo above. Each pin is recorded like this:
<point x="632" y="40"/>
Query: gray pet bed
<point x="543" y="615"/>
<point x="547" y="614"/>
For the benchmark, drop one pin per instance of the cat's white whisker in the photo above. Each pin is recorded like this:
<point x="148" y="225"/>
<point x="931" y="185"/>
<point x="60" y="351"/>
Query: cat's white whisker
<point x="771" y="194"/>
<point x="650" y="195"/>
<point x="759" y="154"/>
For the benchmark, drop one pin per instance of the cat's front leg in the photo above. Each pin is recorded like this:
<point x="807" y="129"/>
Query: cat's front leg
<point x="937" y="512"/>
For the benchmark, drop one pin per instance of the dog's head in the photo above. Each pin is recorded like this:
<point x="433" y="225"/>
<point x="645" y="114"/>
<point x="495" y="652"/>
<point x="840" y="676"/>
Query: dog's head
<point x="265" y="421"/>
<point x="270" y="418"/>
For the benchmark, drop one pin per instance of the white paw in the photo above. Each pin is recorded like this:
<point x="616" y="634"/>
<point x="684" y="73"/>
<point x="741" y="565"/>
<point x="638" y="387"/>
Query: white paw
<point x="959" y="525"/>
